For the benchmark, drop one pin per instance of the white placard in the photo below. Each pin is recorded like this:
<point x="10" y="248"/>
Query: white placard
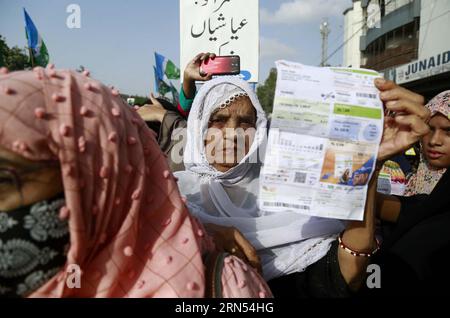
<point x="223" y="27"/>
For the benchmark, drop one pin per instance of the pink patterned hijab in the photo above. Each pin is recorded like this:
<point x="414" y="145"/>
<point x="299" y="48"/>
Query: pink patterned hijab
<point x="130" y="232"/>
<point x="427" y="177"/>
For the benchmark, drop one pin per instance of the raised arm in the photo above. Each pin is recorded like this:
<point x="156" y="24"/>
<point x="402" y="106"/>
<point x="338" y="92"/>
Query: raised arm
<point x="404" y="127"/>
<point x="387" y="207"/>
<point x="192" y="73"/>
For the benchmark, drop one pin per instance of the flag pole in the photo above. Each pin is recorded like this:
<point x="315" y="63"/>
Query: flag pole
<point x="31" y="57"/>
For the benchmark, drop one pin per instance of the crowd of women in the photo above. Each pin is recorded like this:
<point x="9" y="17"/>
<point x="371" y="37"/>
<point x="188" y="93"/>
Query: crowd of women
<point x="90" y="186"/>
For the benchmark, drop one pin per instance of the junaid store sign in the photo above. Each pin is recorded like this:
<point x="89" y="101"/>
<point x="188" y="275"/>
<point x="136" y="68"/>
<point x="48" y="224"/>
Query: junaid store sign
<point x="424" y="68"/>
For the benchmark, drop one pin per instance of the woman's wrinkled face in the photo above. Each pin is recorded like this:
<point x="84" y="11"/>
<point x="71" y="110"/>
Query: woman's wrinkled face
<point x="436" y="144"/>
<point x="23" y="182"/>
<point x="230" y="134"/>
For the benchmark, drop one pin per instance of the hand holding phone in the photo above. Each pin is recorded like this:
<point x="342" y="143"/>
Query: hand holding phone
<point x="192" y="74"/>
<point x="221" y="65"/>
<point x="192" y="70"/>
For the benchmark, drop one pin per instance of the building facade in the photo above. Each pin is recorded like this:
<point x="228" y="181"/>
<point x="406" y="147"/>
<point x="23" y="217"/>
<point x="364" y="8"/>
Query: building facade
<point x="411" y="44"/>
<point x="353" y="28"/>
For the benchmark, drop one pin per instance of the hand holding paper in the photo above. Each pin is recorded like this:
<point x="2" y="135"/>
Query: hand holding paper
<point x="409" y="122"/>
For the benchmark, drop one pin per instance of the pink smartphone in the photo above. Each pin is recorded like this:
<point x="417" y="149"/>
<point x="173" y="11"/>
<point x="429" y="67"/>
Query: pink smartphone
<point x="222" y="65"/>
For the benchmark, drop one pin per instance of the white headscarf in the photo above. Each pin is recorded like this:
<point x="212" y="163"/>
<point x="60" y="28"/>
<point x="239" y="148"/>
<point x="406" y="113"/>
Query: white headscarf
<point x="287" y="242"/>
<point x="213" y="95"/>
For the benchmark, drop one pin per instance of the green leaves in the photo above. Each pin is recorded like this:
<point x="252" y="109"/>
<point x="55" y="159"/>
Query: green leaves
<point x="13" y="58"/>
<point x="266" y="92"/>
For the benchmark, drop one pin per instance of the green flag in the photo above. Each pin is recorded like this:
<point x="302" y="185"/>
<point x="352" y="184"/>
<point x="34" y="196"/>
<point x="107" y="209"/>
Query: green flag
<point x="163" y="88"/>
<point x="171" y="71"/>
<point x="165" y="68"/>
<point x="38" y="50"/>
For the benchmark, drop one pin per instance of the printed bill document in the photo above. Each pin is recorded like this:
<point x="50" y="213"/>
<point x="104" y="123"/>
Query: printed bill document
<point x="326" y="127"/>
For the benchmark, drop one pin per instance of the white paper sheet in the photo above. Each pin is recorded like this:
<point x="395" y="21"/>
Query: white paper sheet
<point x="326" y="127"/>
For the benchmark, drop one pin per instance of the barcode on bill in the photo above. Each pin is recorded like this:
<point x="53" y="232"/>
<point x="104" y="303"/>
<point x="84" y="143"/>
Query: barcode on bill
<point x="286" y="205"/>
<point x="300" y="177"/>
<point x="366" y="95"/>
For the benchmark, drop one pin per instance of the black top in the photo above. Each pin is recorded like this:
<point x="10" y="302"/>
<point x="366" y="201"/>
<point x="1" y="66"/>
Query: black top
<point x="414" y="256"/>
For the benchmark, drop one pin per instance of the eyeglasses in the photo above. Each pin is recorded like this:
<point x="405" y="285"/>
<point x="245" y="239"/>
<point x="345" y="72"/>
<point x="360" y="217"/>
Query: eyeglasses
<point x="15" y="176"/>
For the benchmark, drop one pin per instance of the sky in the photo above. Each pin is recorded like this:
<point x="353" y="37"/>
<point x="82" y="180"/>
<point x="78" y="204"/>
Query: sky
<point x="118" y="38"/>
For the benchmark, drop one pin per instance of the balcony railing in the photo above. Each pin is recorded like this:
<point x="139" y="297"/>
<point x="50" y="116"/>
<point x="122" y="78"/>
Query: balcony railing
<point x="391" y="57"/>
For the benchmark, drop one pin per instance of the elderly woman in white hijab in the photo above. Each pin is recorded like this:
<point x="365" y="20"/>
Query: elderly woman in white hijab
<point x="299" y="254"/>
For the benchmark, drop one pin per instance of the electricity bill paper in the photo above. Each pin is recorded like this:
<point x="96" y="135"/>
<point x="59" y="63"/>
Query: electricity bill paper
<point x="326" y="127"/>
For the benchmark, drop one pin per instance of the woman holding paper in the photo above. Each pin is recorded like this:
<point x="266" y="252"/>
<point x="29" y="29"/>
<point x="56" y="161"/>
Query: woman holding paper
<point x="299" y="254"/>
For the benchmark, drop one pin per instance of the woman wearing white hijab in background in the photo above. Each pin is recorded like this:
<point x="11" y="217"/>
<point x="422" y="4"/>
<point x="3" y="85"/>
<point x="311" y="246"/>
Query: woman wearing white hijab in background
<point x="223" y="189"/>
